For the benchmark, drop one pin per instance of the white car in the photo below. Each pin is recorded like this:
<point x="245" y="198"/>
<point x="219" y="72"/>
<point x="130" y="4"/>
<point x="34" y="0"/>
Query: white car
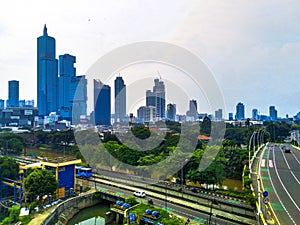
<point x="140" y="194"/>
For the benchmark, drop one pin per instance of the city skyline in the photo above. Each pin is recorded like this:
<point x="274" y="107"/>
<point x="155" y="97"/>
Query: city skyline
<point x="252" y="48"/>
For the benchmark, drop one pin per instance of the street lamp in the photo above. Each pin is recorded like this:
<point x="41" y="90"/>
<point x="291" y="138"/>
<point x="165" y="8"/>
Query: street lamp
<point x="213" y="201"/>
<point x="249" y="149"/>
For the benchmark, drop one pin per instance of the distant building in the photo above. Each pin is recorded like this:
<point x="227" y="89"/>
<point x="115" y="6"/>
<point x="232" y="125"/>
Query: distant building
<point x="230" y="116"/>
<point x="273" y="113"/>
<point x="102" y="103"/>
<point x="240" y="111"/>
<point x="120" y="100"/>
<point x="2" y="104"/>
<point x="47" y="75"/>
<point x="141" y="114"/>
<point x="255" y="114"/>
<point x="193" y="111"/>
<point x="150" y="98"/>
<point x="151" y="114"/>
<point x="219" y="114"/>
<point x="171" y="112"/>
<point x="18" y="116"/>
<point x="13" y="93"/>
<point x="78" y="93"/>
<point x="66" y="72"/>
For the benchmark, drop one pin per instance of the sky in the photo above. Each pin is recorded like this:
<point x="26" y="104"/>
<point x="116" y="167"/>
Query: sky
<point x="252" y="48"/>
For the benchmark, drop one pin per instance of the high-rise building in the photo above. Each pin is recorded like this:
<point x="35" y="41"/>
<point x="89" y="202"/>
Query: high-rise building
<point x="230" y="116"/>
<point x="240" y="111"/>
<point x="2" y="104"/>
<point x="47" y="75"/>
<point x="78" y="93"/>
<point x="193" y="111"/>
<point x="141" y="114"/>
<point x="102" y="103"/>
<point x="150" y="98"/>
<point x="255" y="114"/>
<point x="273" y="113"/>
<point x="160" y="102"/>
<point x="66" y="72"/>
<point x="219" y="114"/>
<point x="171" y="112"/>
<point x="13" y="93"/>
<point x="120" y="99"/>
<point x="151" y="114"/>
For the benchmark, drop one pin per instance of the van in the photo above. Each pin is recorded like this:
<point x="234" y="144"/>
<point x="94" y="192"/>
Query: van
<point x="140" y="194"/>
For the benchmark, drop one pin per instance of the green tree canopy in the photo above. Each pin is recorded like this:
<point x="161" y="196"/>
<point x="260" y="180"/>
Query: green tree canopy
<point x="9" y="168"/>
<point x="39" y="183"/>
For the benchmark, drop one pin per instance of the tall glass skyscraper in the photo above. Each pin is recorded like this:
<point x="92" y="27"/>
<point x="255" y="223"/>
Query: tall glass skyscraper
<point x="120" y="99"/>
<point x="13" y="93"/>
<point x="66" y="72"/>
<point x="47" y="75"/>
<point x="102" y="103"/>
<point x="240" y="111"/>
<point x="78" y="92"/>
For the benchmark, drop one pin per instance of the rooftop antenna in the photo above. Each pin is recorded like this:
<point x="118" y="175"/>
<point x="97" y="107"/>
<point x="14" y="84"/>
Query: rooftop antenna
<point x="159" y="75"/>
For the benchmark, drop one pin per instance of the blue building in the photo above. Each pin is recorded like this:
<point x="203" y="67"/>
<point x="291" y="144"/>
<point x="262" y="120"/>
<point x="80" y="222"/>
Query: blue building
<point x="47" y="75"/>
<point x="2" y="104"/>
<point x="66" y="72"/>
<point x="13" y="93"/>
<point x="102" y="103"/>
<point x="273" y="113"/>
<point x="78" y="93"/>
<point x="120" y="99"/>
<point x="171" y="112"/>
<point x="240" y="111"/>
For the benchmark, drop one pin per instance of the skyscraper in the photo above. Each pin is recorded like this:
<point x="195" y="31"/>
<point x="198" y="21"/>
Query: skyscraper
<point x="219" y="114"/>
<point x="193" y="111"/>
<point x="160" y="102"/>
<point x="78" y="93"/>
<point x="47" y="75"/>
<point x="255" y="114"/>
<point x="13" y="93"/>
<point x="66" y="72"/>
<point x="150" y="98"/>
<point x="273" y="113"/>
<point x="102" y="103"/>
<point x="171" y="112"/>
<point x="120" y="99"/>
<point x="240" y="111"/>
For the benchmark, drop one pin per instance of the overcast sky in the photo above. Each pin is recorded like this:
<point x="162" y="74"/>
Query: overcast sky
<point x="252" y="47"/>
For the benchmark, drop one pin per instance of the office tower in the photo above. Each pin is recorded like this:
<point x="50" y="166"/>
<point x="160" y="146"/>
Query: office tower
<point x="47" y="77"/>
<point x="255" y="114"/>
<point x="192" y="112"/>
<point x="171" y="112"/>
<point x="120" y="99"/>
<point x="13" y="93"/>
<point x="1" y="104"/>
<point x="160" y="102"/>
<point x="78" y="93"/>
<point x="66" y="72"/>
<point x="240" y="111"/>
<point x="151" y="115"/>
<point x="150" y="98"/>
<point x="219" y="114"/>
<point x="141" y="114"/>
<point x="230" y="116"/>
<point x="273" y="113"/>
<point x="101" y="103"/>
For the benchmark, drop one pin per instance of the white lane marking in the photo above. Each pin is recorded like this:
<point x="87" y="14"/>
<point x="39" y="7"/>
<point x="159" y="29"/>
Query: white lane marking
<point x="263" y="163"/>
<point x="275" y="167"/>
<point x="271" y="164"/>
<point x="295" y="157"/>
<point x="288" y="165"/>
<point x="287" y="212"/>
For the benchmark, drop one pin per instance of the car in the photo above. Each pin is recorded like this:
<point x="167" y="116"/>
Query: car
<point x="193" y="189"/>
<point x="287" y="150"/>
<point x="141" y="194"/>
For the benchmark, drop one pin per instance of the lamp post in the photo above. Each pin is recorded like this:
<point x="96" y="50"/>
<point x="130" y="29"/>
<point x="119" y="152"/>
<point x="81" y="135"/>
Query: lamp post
<point x="249" y="149"/>
<point x="213" y="201"/>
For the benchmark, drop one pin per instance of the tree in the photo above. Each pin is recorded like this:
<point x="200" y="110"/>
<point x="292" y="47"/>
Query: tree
<point x="9" y="168"/>
<point x="40" y="183"/>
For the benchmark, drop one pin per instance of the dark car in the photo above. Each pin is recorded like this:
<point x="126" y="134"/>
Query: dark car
<point x="287" y="150"/>
<point x="195" y="190"/>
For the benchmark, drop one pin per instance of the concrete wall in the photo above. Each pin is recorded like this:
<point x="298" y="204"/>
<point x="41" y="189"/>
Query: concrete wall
<point x="67" y="209"/>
